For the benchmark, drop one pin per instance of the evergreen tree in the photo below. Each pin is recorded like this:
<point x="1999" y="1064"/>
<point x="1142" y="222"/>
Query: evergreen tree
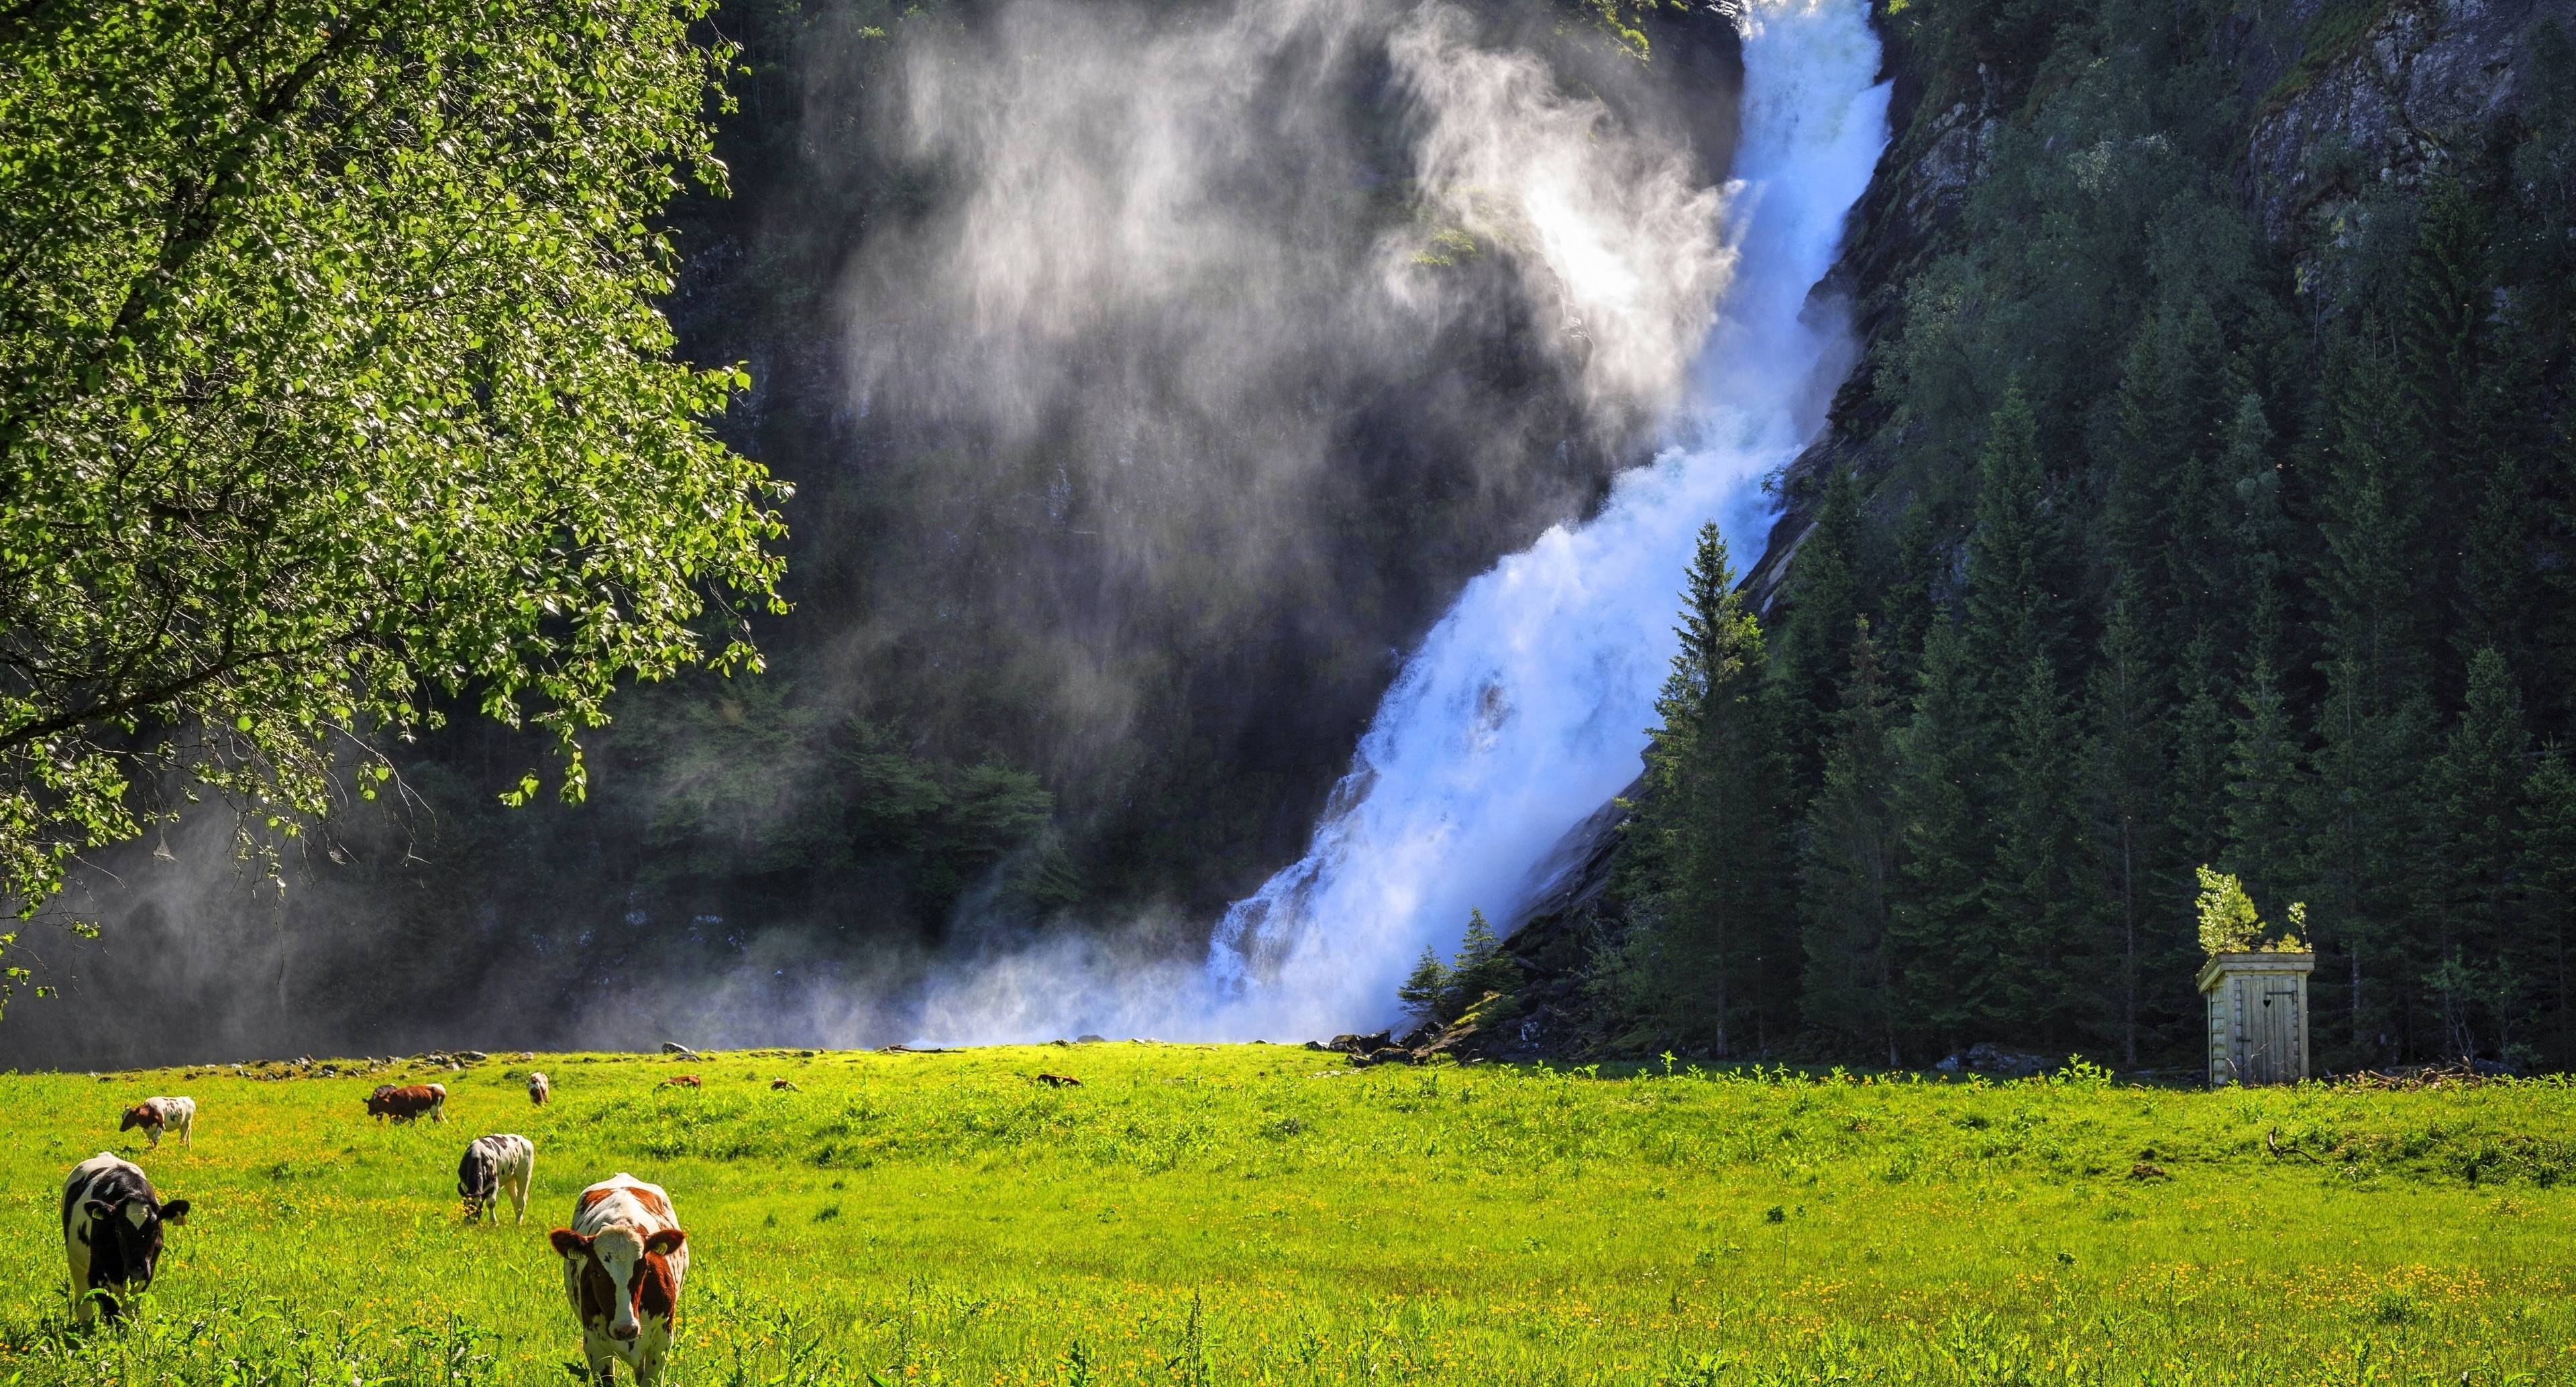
<point x="1913" y="595"/>
<point x="2017" y="567"/>
<point x="1482" y="967"/>
<point x="1712" y="815"/>
<point x="2260" y="545"/>
<point x="1425" y="993"/>
<point x="2196" y="791"/>
<point x="2549" y="893"/>
<point x="2034" y="890"/>
<point x="1815" y="640"/>
<point x="2263" y="791"/>
<point x="2373" y="531"/>
<point x="1943" y="939"/>
<point x="1848" y="874"/>
<point x="2447" y="297"/>
<point x="2356" y="808"/>
<point x="2470" y="841"/>
<point x="2125" y="774"/>
<point x="2196" y="555"/>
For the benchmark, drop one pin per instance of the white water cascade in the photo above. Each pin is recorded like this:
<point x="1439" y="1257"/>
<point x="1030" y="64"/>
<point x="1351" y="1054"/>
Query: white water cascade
<point x="1526" y="708"/>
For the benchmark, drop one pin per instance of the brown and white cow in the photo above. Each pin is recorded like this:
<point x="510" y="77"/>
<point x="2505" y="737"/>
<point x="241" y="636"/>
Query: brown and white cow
<point x="539" y="1090"/>
<point x="624" y="1258"/>
<point x="408" y="1102"/>
<point x="112" y="1221"/>
<point x="154" y="1115"/>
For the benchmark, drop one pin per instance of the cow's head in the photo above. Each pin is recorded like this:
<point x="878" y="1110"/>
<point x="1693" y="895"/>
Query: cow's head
<point x="477" y="1180"/>
<point x="140" y="1115"/>
<point x="131" y="1227"/>
<point x="621" y="1267"/>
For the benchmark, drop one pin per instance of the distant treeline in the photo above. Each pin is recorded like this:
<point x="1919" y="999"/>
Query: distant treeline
<point x="2163" y="544"/>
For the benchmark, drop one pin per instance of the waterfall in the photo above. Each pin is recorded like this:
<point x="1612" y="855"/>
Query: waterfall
<point x="1527" y="707"/>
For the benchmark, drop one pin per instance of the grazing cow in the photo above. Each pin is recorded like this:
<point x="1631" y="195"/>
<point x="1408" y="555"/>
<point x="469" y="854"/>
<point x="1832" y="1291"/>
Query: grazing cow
<point x="681" y="1081"/>
<point x="539" y="1091"/>
<point x="407" y="1103"/>
<point x="491" y="1165"/>
<point x="112" y="1232"/>
<point x="624" y="1258"/>
<point x="153" y="1115"/>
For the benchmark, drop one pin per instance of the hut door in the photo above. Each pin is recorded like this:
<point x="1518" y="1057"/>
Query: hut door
<point x="2275" y="1057"/>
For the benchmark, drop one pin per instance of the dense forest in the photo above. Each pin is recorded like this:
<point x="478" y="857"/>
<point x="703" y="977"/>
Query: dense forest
<point x="2178" y="519"/>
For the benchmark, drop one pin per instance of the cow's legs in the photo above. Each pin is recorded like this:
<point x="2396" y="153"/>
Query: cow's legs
<point x="602" y="1356"/>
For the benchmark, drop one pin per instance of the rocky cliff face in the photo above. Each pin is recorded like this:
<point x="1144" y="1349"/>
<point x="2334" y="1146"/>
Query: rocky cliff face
<point x="2376" y="104"/>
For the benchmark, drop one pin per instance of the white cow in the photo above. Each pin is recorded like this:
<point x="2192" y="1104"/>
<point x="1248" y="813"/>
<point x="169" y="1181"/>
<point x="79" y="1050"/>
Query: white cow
<point x="502" y="1161"/>
<point x="538" y="1089"/>
<point x="624" y="1260"/>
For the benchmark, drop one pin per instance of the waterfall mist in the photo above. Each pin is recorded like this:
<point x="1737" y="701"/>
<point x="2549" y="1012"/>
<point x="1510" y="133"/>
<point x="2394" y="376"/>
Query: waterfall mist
<point x="1527" y="706"/>
<point x="1168" y="324"/>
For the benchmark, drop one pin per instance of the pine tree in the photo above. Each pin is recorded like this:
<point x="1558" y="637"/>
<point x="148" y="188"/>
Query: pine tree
<point x="2549" y="892"/>
<point x="2164" y="497"/>
<point x="2194" y="549"/>
<point x="2034" y="890"/>
<point x="2448" y="293"/>
<point x="1943" y="939"/>
<point x="1913" y="597"/>
<point x="1482" y="967"/>
<point x="2262" y="791"/>
<point x="2017" y="565"/>
<point x="1713" y="816"/>
<point x="1425" y="993"/>
<point x="2470" y="839"/>
<point x="1848" y="874"/>
<point x="2357" y="809"/>
<point x="2196" y="791"/>
<point x="1815" y="640"/>
<point x="2260" y="542"/>
<point x="2125" y="775"/>
<point x="2374" y="532"/>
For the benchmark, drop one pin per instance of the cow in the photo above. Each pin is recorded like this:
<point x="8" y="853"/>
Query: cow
<point x="112" y="1220"/>
<point x="408" y="1102"/>
<point x="539" y="1091"/>
<point x="154" y="1115"/>
<point x="681" y="1081"/>
<point x="624" y="1258"/>
<point x="502" y="1161"/>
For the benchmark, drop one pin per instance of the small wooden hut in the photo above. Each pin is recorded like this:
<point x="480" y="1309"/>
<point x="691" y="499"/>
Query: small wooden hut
<point x="2258" y="1017"/>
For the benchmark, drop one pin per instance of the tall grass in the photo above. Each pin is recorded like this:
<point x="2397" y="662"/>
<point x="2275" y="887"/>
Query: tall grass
<point x="1255" y="1214"/>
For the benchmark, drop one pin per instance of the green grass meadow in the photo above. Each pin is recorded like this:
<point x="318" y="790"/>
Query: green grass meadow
<point x="1259" y="1214"/>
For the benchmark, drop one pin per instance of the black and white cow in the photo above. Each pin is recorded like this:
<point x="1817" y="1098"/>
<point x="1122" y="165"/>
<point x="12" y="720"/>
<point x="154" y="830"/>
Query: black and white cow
<point x="502" y="1161"/>
<point x="155" y="1115"/>
<point x="112" y="1221"/>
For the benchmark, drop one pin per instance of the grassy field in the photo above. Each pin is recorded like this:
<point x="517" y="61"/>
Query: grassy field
<point x="1257" y="1214"/>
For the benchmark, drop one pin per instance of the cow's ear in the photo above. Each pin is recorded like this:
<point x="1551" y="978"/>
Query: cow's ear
<point x="97" y="1210"/>
<point x="666" y="1241"/>
<point x="175" y="1212"/>
<point x="568" y="1242"/>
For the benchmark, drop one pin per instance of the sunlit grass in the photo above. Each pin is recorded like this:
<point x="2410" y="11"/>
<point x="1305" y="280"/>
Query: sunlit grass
<point x="1256" y="1214"/>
